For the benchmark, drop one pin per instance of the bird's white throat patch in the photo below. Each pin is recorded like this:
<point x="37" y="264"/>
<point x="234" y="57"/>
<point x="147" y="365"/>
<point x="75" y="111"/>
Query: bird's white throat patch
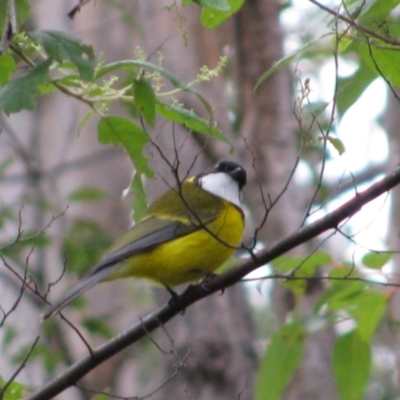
<point x="222" y="185"/>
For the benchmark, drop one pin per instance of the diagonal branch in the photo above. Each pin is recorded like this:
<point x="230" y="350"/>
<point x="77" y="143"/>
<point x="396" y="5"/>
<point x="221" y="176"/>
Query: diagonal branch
<point x="213" y="284"/>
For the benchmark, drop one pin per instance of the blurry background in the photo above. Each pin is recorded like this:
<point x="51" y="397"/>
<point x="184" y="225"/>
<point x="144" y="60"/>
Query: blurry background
<point x="55" y="175"/>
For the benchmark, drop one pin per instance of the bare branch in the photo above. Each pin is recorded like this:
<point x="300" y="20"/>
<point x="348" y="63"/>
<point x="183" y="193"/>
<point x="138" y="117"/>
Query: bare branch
<point x="19" y="369"/>
<point x="214" y="284"/>
<point x="354" y="23"/>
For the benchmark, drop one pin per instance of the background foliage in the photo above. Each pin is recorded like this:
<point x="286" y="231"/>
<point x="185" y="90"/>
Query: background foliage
<point x="339" y="286"/>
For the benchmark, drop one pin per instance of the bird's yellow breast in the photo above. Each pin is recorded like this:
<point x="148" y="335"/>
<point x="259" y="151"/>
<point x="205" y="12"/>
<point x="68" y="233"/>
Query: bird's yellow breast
<point x="189" y="257"/>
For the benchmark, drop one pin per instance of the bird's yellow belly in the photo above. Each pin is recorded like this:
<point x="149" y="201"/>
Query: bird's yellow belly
<point x="188" y="258"/>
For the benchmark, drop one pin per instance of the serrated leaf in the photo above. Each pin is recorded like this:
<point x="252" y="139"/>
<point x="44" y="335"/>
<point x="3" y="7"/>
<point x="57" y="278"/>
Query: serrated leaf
<point x="121" y="131"/>
<point x="351" y="365"/>
<point x="87" y="194"/>
<point x="18" y="94"/>
<point x="188" y="118"/>
<point x="281" y="359"/>
<point x="376" y="260"/>
<point x="63" y="47"/>
<point x="144" y="99"/>
<point x="337" y="144"/>
<point x="7" y="67"/>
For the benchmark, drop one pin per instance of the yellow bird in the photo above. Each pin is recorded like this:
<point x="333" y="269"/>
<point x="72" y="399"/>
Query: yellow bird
<point x="188" y="232"/>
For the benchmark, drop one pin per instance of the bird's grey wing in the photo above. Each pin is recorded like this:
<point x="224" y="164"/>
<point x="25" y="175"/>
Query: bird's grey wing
<point x="162" y="231"/>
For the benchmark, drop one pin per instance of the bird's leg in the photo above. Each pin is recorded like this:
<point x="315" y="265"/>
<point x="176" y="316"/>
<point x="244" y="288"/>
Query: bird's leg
<point x="174" y="297"/>
<point x="173" y="294"/>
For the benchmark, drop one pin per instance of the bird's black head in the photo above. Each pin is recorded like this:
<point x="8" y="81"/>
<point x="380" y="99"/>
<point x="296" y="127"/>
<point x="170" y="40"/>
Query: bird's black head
<point x="235" y="170"/>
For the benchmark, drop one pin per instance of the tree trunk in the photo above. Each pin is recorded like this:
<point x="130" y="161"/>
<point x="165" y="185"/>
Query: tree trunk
<point x="267" y="122"/>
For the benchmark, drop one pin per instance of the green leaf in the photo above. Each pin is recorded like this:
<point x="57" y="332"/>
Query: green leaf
<point x="285" y="263"/>
<point x="120" y="131"/>
<point x="211" y="17"/>
<point x="22" y="11"/>
<point x="117" y="130"/>
<point x="384" y="61"/>
<point x="281" y="359"/>
<point x="342" y="43"/>
<point x="14" y="392"/>
<point x="139" y="204"/>
<point x="101" y="397"/>
<point x="351" y="365"/>
<point x="97" y="326"/>
<point x="284" y="61"/>
<point x="87" y="194"/>
<point x="372" y="10"/>
<point x="306" y="265"/>
<point x="28" y="239"/>
<point x="352" y="87"/>
<point x="376" y="260"/>
<point x="219" y="5"/>
<point x="18" y="94"/>
<point x="297" y="286"/>
<point x="144" y="99"/>
<point x="188" y="118"/>
<point x="339" y="296"/>
<point x="337" y="144"/>
<point x="7" y="67"/>
<point x="63" y="47"/>
<point x="88" y="116"/>
<point x="368" y="311"/>
<point x="300" y="267"/>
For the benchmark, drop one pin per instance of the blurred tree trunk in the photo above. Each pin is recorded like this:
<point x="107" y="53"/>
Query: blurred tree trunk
<point x="214" y="339"/>
<point x="267" y="121"/>
<point x="389" y="336"/>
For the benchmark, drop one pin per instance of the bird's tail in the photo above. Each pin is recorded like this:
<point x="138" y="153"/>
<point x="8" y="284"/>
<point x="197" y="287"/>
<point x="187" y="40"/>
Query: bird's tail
<point x="84" y="284"/>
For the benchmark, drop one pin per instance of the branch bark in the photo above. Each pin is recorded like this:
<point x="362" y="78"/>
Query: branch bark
<point x="214" y="284"/>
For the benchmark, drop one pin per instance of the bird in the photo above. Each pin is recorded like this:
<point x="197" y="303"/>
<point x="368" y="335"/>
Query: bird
<point x="186" y="235"/>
